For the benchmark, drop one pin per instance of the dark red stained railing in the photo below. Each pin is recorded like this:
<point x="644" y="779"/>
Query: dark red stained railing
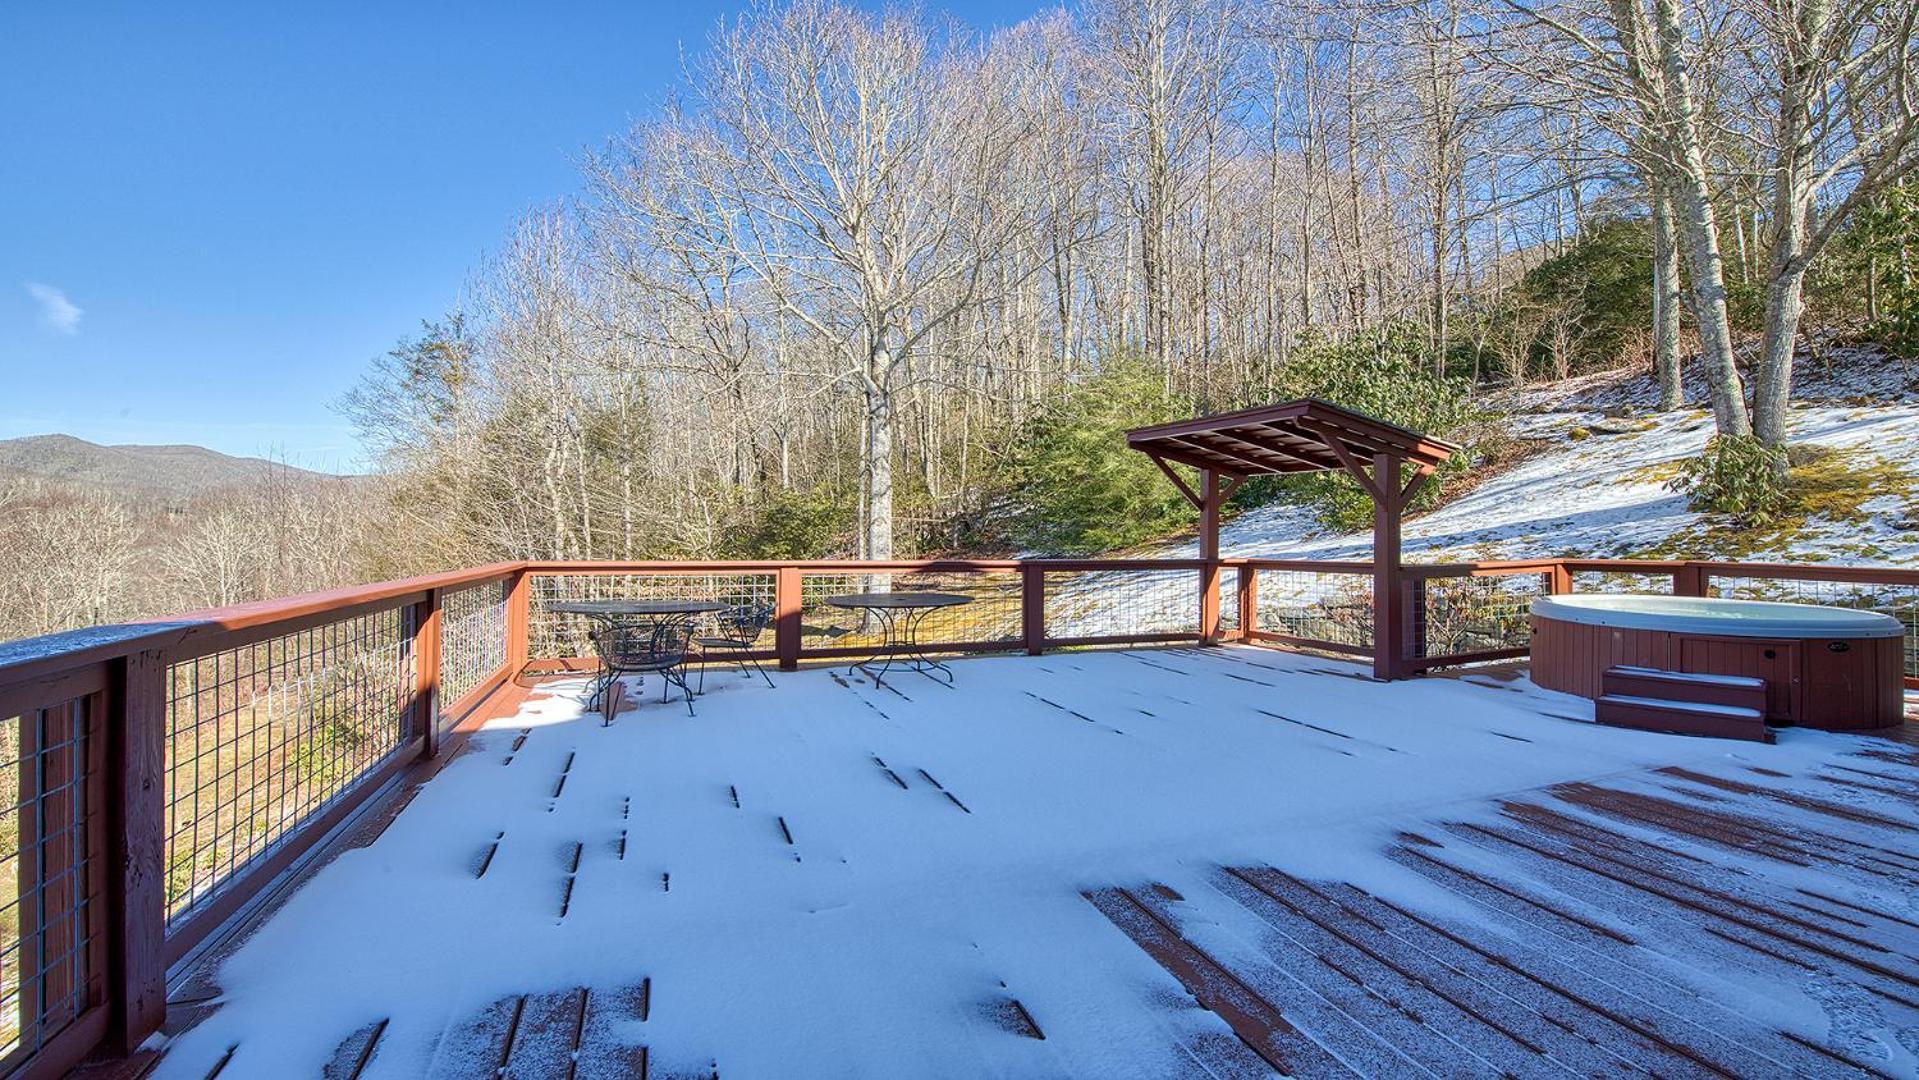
<point x="164" y="774"/>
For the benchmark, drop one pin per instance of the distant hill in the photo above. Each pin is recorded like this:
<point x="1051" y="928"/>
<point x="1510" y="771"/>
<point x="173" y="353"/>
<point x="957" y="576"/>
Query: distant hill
<point x="160" y="472"/>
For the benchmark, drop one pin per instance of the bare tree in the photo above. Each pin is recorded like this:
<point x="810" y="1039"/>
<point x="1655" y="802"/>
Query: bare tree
<point x="852" y="168"/>
<point x="1629" y="64"/>
<point x="1842" y="127"/>
<point x="1171" y="72"/>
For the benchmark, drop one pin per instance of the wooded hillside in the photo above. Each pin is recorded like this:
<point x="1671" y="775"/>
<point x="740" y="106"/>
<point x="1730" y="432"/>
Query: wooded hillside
<point x="854" y="288"/>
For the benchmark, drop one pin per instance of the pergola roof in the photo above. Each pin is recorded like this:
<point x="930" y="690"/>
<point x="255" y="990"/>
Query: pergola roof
<point x="1297" y="436"/>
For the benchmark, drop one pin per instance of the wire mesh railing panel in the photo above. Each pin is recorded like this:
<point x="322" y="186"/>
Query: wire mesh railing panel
<point x="1320" y="606"/>
<point x="472" y="638"/>
<point x="552" y="634"/>
<point x="1621" y="581"/>
<point x="1899" y="601"/>
<point x="264" y="736"/>
<point x="991" y="618"/>
<point x="1459" y="616"/>
<point x="1120" y="603"/>
<point x="52" y="872"/>
<point x="1228" y="601"/>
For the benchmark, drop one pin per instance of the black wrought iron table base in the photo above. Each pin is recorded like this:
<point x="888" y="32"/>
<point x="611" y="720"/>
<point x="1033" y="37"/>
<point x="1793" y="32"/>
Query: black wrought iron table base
<point x="610" y="614"/>
<point x="899" y="646"/>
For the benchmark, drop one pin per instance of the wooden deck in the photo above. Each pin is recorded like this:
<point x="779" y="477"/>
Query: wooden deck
<point x="1647" y="922"/>
<point x="1611" y="929"/>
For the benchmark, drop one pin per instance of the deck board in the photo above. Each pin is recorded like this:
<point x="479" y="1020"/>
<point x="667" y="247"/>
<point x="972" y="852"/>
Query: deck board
<point x="1601" y="945"/>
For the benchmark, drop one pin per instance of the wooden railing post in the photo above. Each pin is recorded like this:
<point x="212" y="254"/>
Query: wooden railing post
<point x="1689" y="579"/>
<point x="136" y="843"/>
<point x="1248" y="602"/>
<point x="426" y="671"/>
<point x="519" y="611"/>
<point x="1559" y="580"/>
<point x="1032" y="594"/>
<point x="786" y="616"/>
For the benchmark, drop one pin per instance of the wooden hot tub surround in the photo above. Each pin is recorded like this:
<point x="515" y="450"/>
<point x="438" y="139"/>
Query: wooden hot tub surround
<point x="1838" y="671"/>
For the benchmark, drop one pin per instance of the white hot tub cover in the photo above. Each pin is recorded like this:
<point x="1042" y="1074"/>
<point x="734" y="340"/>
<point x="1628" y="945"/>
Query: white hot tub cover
<point x="1716" y="617"/>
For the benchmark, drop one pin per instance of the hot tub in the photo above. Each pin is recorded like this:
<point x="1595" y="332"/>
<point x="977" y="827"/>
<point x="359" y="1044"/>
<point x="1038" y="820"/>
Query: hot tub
<point x="1825" y="667"/>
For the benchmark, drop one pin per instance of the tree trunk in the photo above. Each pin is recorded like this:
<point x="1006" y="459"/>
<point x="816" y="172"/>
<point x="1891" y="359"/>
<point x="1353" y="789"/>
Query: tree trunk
<point x="879" y="469"/>
<point x="1792" y="197"/>
<point x="1665" y="302"/>
<point x="1700" y="237"/>
<point x="1784" y="286"/>
<point x="1698" y="228"/>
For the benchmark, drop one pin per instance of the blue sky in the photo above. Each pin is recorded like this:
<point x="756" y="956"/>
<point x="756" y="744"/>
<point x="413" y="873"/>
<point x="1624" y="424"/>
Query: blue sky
<point x="213" y="216"/>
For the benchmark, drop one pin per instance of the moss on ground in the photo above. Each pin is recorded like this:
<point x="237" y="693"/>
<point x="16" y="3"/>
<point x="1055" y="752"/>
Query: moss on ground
<point x="1659" y="472"/>
<point x="1828" y="487"/>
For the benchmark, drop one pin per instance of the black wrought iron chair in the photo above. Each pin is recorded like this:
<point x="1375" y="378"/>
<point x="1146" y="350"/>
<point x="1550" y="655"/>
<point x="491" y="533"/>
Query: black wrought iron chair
<point x="644" y="648"/>
<point x="736" y="631"/>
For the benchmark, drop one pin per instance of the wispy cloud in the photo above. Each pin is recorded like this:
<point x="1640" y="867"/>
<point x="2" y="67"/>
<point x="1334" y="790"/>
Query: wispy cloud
<point x="60" y="314"/>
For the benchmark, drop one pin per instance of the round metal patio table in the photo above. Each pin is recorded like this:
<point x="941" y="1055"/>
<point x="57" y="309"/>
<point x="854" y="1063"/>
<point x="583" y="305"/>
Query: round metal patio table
<point x="900" y="615"/>
<point x="611" y="613"/>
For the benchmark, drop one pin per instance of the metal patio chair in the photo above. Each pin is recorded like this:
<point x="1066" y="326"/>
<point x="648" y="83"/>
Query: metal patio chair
<point x="643" y="648"/>
<point x="736" y="630"/>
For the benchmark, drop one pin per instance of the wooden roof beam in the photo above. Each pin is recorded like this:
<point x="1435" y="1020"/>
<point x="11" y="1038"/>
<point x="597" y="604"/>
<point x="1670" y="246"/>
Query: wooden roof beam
<point x="1408" y="444"/>
<point x="1421" y="474"/>
<point x="1178" y="481"/>
<point x="1184" y="457"/>
<point x="1362" y="428"/>
<point x="1282" y="454"/>
<point x="1303" y="447"/>
<point x="1372" y="485"/>
<point x="1234" y="462"/>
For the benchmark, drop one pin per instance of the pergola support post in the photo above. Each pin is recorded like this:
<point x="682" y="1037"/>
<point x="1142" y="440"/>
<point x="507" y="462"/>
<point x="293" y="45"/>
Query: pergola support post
<point x="1389" y="586"/>
<point x="1211" y="499"/>
<point x="1305" y="436"/>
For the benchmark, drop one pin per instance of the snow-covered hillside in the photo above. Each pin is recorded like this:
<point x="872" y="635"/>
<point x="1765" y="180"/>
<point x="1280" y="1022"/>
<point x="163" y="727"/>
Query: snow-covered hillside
<point x="1605" y="495"/>
<point x="1587" y="492"/>
<point x="1582" y="493"/>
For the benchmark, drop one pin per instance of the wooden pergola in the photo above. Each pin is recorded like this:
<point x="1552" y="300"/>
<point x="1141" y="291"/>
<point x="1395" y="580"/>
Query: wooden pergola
<point x="1389" y="462"/>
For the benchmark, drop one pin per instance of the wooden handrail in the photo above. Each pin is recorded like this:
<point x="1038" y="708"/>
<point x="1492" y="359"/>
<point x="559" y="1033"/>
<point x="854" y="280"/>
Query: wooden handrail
<point x="1868" y="575"/>
<point x="1513" y="568"/>
<point x="97" y="643"/>
<point x="30" y="657"/>
<point x="133" y="662"/>
<point x="329" y="601"/>
<point x="854" y="566"/>
<point x="1862" y="575"/>
<point x="200" y="631"/>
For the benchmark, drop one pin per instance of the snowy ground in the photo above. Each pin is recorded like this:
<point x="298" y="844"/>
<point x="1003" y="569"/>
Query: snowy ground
<point x="827" y="872"/>
<point x="1839" y="374"/>
<point x="1605" y="496"/>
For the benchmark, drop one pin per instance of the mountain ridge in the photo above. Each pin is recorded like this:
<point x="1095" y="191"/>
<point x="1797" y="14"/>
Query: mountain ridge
<point x="164" y="471"/>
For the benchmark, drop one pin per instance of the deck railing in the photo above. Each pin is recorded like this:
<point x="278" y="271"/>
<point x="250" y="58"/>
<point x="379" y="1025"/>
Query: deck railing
<point x="162" y="776"/>
<point x="1314" y="605"/>
<point x="1475" y="612"/>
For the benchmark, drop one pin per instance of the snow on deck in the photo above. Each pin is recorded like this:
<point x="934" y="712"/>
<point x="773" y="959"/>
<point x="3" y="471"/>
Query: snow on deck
<point x="1042" y="869"/>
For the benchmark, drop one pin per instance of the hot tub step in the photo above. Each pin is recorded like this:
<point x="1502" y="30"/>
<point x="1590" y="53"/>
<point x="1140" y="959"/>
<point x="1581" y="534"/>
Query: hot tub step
<point x="1744" y="691"/>
<point x="1682" y="717"/>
